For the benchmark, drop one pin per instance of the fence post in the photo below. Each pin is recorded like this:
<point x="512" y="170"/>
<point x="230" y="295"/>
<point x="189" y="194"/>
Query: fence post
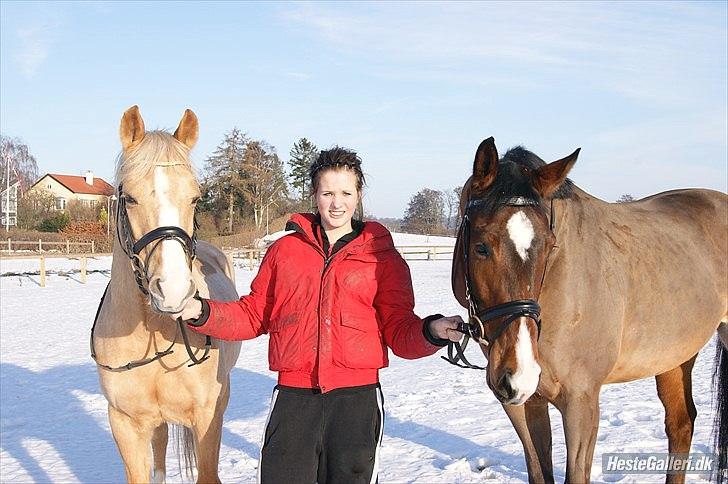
<point x="93" y="247"/>
<point x="42" y="271"/>
<point x="83" y="270"/>
<point x="10" y="247"/>
<point x="250" y="259"/>
<point x="68" y="246"/>
<point x="434" y="252"/>
<point x="40" y="245"/>
<point x="229" y="256"/>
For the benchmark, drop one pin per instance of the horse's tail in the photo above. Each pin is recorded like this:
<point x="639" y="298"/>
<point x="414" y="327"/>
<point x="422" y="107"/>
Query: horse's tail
<point x="186" y="452"/>
<point x="720" y="422"/>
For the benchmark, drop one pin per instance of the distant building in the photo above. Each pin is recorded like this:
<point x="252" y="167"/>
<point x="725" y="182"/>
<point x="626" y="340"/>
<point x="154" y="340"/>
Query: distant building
<point x="89" y="190"/>
<point x="9" y="205"/>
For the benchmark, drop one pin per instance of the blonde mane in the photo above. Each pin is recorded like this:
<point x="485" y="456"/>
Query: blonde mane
<point x="157" y="148"/>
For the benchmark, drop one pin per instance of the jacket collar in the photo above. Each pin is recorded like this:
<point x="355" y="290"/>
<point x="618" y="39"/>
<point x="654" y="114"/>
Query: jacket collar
<point x="374" y="236"/>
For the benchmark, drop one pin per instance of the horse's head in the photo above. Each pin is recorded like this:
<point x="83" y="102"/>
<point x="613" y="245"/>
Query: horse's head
<point x="500" y="259"/>
<point x="158" y="191"/>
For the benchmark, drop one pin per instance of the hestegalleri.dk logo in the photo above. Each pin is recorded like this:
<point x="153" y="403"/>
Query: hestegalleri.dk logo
<point x="651" y="463"/>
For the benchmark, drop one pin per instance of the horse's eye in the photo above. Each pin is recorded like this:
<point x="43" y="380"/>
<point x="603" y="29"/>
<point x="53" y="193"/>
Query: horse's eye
<point x="130" y="200"/>
<point x="482" y="249"/>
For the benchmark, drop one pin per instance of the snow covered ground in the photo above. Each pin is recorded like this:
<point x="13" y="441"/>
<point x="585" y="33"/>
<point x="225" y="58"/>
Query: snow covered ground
<point x="443" y="425"/>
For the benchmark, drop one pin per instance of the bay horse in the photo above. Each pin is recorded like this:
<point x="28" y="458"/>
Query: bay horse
<point x="156" y="268"/>
<point x="567" y="293"/>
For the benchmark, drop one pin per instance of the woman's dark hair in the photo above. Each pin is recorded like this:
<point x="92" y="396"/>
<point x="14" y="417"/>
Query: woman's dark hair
<point x="336" y="158"/>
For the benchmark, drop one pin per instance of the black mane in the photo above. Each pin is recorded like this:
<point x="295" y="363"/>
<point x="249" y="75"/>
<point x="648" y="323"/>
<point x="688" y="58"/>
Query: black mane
<point x="511" y="182"/>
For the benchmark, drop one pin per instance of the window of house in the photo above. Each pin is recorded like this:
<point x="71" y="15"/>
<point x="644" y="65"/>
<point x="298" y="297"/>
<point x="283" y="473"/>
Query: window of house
<point x="48" y="186"/>
<point x="60" y="203"/>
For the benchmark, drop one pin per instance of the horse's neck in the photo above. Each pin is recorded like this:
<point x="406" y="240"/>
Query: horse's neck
<point x="578" y="216"/>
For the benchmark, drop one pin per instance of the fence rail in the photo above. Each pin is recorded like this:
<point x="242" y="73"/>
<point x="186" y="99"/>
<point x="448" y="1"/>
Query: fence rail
<point x="408" y="252"/>
<point x="41" y="246"/>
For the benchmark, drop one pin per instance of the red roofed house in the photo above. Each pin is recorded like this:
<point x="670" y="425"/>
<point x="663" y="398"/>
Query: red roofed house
<point x="88" y="189"/>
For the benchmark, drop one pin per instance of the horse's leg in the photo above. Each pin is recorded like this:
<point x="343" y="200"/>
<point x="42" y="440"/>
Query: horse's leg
<point x="675" y="389"/>
<point x="159" y="451"/>
<point x="133" y="442"/>
<point x="208" y="434"/>
<point x="580" y="414"/>
<point x="533" y="426"/>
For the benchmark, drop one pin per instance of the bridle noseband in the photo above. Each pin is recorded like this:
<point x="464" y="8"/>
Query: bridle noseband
<point x="133" y="248"/>
<point x="479" y="319"/>
<point x="140" y="268"/>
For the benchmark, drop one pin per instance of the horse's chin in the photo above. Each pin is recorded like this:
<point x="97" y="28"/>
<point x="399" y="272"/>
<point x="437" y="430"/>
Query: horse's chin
<point x="159" y="306"/>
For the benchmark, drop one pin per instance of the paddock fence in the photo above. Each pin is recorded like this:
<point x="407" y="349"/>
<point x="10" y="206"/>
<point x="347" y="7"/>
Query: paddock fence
<point x="238" y="257"/>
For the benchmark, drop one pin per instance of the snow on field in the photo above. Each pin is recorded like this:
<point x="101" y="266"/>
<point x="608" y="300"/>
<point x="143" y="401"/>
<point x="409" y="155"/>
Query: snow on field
<point x="443" y="425"/>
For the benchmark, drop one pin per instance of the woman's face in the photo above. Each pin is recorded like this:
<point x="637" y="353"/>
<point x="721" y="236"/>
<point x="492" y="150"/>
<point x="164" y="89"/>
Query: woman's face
<point x="337" y="198"/>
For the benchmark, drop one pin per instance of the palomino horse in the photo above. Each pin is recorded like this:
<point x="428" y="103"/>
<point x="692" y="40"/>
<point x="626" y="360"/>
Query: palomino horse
<point x="156" y="268"/>
<point x="626" y="291"/>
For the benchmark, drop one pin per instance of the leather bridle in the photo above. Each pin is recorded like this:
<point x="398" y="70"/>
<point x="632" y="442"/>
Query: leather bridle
<point x="478" y="320"/>
<point x="133" y="248"/>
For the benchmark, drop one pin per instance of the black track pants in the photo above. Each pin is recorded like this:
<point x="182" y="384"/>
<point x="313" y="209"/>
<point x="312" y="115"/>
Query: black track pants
<point x="329" y="438"/>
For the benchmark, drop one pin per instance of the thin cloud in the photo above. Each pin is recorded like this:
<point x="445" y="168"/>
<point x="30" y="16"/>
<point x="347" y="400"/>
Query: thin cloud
<point x="35" y="44"/>
<point x="633" y="50"/>
<point x="298" y="75"/>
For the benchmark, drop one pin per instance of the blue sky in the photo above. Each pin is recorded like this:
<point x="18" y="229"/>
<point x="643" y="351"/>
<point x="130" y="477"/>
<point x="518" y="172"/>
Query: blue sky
<point x="413" y="87"/>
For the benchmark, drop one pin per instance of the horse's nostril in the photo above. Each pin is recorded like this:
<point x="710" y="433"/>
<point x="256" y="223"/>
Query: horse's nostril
<point x="504" y="387"/>
<point x="155" y="287"/>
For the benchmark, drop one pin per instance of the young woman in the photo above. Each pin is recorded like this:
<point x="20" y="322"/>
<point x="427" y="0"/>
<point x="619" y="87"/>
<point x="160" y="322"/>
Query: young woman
<point x="333" y="295"/>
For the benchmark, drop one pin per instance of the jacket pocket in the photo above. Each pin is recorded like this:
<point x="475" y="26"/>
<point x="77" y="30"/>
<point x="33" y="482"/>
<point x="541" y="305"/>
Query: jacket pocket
<point x="284" y="345"/>
<point x="360" y="343"/>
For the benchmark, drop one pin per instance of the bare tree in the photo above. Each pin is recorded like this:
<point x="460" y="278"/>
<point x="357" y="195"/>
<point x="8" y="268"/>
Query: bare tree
<point x="424" y="213"/>
<point x="451" y="198"/>
<point x="15" y="155"/>
<point x="264" y="180"/>
<point x="626" y="198"/>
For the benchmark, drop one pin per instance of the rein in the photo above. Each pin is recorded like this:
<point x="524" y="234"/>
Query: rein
<point x="478" y="320"/>
<point x="140" y="267"/>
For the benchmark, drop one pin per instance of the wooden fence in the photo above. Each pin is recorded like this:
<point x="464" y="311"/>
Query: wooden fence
<point x="408" y="252"/>
<point x="41" y="246"/>
<point x="82" y="258"/>
<point x="251" y="256"/>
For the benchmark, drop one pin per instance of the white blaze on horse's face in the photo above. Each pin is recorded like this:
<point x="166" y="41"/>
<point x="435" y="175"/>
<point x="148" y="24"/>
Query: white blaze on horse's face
<point x="170" y="284"/>
<point x="525" y="380"/>
<point x="520" y="230"/>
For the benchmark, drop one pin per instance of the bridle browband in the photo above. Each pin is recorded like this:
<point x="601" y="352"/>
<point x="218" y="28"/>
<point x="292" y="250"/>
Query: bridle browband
<point x="479" y="319"/>
<point x="140" y="268"/>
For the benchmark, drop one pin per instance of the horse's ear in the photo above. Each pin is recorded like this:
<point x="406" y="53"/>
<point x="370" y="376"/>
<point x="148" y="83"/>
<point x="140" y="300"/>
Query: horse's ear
<point x="548" y="178"/>
<point x="188" y="129"/>
<point x="131" y="130"/>
<point x="458" y="271"/>
<point x="485" y="166"/>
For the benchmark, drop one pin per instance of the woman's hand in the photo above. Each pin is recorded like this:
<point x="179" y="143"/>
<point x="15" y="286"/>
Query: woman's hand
<point x="446" y="328"/>
<point x="192" y="310"/>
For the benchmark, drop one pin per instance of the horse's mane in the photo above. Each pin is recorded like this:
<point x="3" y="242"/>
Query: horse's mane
<point x="157" y="148"/>
<point x="511" y="182"/>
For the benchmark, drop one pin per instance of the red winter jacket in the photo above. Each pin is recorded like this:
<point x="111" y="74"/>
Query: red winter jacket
<point x="330" y="322"/>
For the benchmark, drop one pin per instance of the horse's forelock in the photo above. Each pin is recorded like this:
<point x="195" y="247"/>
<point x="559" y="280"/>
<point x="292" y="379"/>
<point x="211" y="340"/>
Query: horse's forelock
<point x="157" y="148"/>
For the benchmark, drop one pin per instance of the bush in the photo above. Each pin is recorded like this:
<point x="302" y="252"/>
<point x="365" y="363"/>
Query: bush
<point x="54" y="223"/>
<point x="89" y="232"/>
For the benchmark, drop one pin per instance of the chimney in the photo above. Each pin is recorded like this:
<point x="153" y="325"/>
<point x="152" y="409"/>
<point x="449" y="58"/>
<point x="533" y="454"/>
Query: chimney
<point x="89" y="177"/>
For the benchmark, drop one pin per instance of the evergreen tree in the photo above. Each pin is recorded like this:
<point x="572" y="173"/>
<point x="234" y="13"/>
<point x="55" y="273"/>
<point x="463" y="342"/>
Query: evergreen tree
<point x="302" y="154"/>
<point x="224" y="184"/>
